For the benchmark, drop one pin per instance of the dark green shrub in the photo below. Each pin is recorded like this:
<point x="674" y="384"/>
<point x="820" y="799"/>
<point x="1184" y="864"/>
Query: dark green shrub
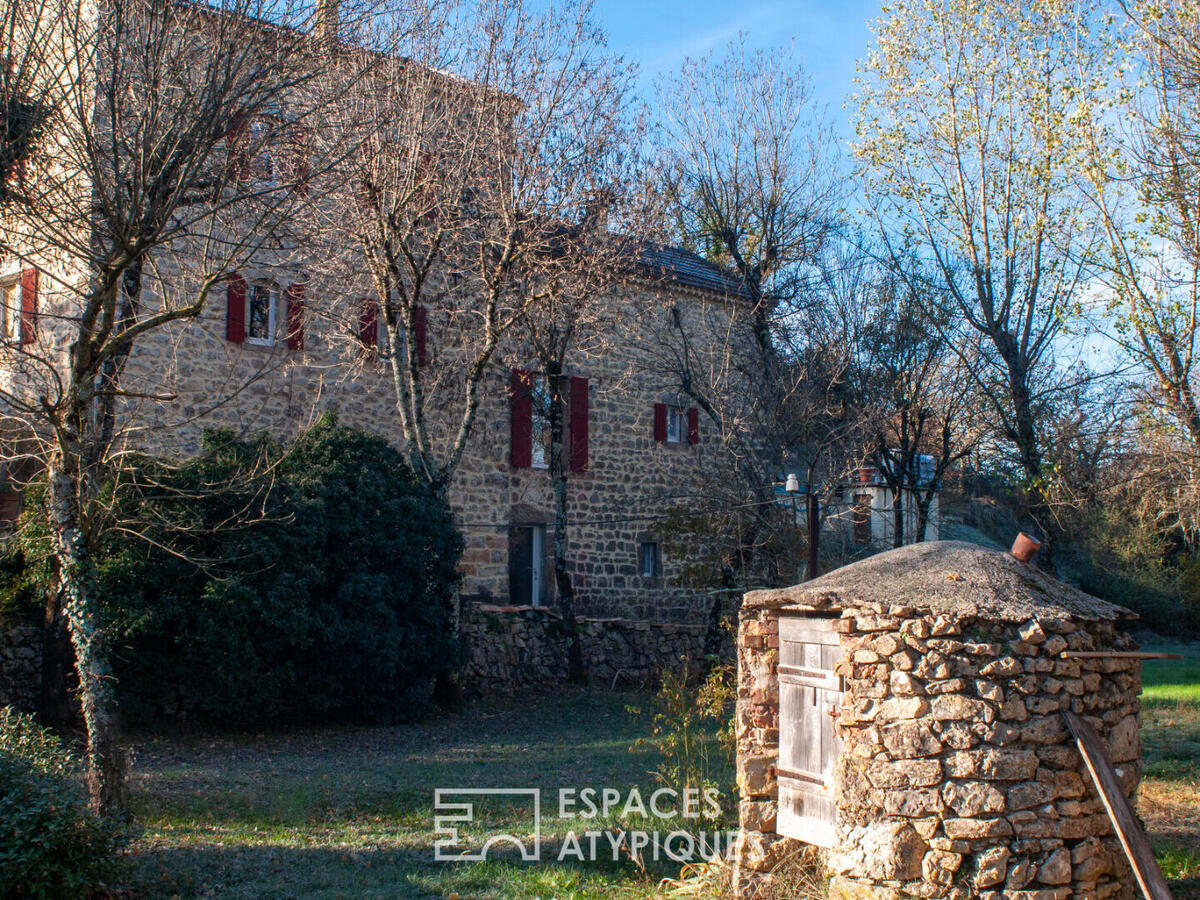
<point x="50" y="845"/>
<point x="303" y="582"/>
<point x="27" y="574"/>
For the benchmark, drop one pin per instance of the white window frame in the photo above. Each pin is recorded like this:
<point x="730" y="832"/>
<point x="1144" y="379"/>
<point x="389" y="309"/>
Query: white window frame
<point x="676" y="428"/>
<point x="272" y="304"/>
<point x="10" y="316"/>
<point x="649" y="559"/>
<point x="536" y="574"/>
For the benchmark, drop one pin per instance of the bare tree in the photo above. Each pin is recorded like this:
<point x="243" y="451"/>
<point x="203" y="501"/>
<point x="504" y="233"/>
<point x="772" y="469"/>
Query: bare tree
<point x="477" y="151"/>
<point x="969" y="139"/>
<point x="140" y="190"/>
<point x="749" y="181"/>
<point x="918" y="393"/>
<point x="573" y="323"/>
<point x="1144" y="178"/>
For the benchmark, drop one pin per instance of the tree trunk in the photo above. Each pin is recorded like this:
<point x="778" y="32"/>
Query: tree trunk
<point x="105" y="758"/>
<point x="898" y="517"/>
<point x="576" y="670"/>
<point x="447" y="686"/>
<point x="1024" y="436"/>
<point x="923" y="504"/>
<point x="58" y="686"/>
<point x="813" y="516"/>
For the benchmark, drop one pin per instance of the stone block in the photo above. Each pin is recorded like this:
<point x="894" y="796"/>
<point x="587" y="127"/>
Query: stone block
<point x="880" y="851"/>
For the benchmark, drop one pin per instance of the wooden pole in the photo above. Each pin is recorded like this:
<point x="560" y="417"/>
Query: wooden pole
<point x="1129" y="831"/>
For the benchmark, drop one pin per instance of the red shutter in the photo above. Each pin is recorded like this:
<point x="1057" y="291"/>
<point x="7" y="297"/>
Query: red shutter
<point x="660" y="422"/>
<point x="298" y="151"/>
<point x="521" y="401"/>
<point x="237" y="141"/>
<point x="29" y="305"/>
<point x="579" y="424"/>
<point x="235" y="309"/>
<point x="693" y="425"/>
<point x="420" y="326"/>
<point x="368" y="323"/>
<point x="295" y="316"/>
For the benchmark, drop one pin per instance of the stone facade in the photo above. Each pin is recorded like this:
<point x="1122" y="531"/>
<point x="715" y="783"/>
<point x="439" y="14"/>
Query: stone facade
<point x="631" y="483"/>
<point x="958" y="777"/>
<point x="513" y="647"/>
<point x="632" y="480"/>
<point x="21" y="667"/>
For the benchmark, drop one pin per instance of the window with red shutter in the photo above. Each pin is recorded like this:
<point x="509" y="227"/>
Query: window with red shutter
<point x="295" y="316"/>
<point x="660" y="422"/>
<point x="579" y="423"/>
<point x="368" y="323"/>
<point x="237" y="141"/>
<point x="235" y="309"/>
<point x="29" y="305"/>
<point x="521" y="406"/>
<point x="693" y="415"/>
<point x="298" y="165"/>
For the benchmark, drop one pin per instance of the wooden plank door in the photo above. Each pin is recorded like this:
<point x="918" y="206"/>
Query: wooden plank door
<point x="809" y="695"/>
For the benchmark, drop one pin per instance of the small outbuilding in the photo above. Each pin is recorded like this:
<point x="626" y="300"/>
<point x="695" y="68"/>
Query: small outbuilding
<point x="906" y="713"/>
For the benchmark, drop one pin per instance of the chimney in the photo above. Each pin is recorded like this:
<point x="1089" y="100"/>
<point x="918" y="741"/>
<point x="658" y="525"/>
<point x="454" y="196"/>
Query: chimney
<point x="325" y="23"/>
<point x="596" y="209"/>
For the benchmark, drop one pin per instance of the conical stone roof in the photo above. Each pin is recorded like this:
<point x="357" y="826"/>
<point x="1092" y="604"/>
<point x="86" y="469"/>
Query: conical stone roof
<point x="951" y="577"/>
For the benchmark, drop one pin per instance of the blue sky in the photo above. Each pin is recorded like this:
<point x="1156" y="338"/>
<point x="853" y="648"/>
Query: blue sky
<point x="828" y="36"/>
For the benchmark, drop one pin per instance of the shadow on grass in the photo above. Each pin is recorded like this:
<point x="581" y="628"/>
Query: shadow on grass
<point x="270" y="872"/>
<point x="349" y="812"/>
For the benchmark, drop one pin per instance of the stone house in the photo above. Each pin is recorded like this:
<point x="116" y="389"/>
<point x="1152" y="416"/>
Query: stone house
<point x="270" y="352"/>
<point x="865" y="512"/>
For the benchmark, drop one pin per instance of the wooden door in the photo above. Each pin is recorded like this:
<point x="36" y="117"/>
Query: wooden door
<point x="810" y="693"/>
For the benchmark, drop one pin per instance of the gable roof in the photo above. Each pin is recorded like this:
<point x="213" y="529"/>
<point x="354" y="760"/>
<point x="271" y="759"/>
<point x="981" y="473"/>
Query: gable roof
<point x="685" y="268"/>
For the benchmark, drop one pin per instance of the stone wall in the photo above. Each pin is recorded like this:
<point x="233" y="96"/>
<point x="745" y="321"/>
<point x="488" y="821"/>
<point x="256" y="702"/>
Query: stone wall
<point x="513" y="647"/>
<point x="632" y="482"/>
<point x="958" y="777"/>
<point x="21" y="667"/>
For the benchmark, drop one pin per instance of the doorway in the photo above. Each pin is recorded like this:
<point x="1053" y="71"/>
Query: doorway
<point x="526" y="564"/>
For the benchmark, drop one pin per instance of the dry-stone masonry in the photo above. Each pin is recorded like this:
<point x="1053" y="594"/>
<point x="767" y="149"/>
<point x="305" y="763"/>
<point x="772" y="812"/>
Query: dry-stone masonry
<point x="513" y="647"/>
<point x="957" y="776"/>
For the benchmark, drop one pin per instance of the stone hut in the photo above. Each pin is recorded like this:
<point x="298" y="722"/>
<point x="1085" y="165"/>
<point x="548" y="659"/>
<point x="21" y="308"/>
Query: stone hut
<point x="905" y="712"/>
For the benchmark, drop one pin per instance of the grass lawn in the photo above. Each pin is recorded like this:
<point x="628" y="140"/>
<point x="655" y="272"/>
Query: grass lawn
<point x="333" y="813"/>
<point x="349" y="812"/>
<point x="1169" y="798"/>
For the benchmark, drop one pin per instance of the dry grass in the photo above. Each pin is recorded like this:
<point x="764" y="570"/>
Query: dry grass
<point x="341" y="813"/>
<point x="1169" y="797"/>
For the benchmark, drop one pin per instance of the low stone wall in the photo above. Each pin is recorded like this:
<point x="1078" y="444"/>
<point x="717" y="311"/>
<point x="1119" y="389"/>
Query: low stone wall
<point x="510" y="647"/>
<point x="21" y="667"/>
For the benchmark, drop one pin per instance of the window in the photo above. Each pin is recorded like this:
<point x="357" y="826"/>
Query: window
<point x="526" y="564"/>
<point x="670" y="425"/>
<point x="674" y="425"/>
<point x="649" y="560"/>
<point x="540" y="432"/>
<point x="260" y="313"/>
<point x="10" y="315"/>
<point x="262" y="164"/>
<point x="368" y="323"/>
<point x="530" y="403"/>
